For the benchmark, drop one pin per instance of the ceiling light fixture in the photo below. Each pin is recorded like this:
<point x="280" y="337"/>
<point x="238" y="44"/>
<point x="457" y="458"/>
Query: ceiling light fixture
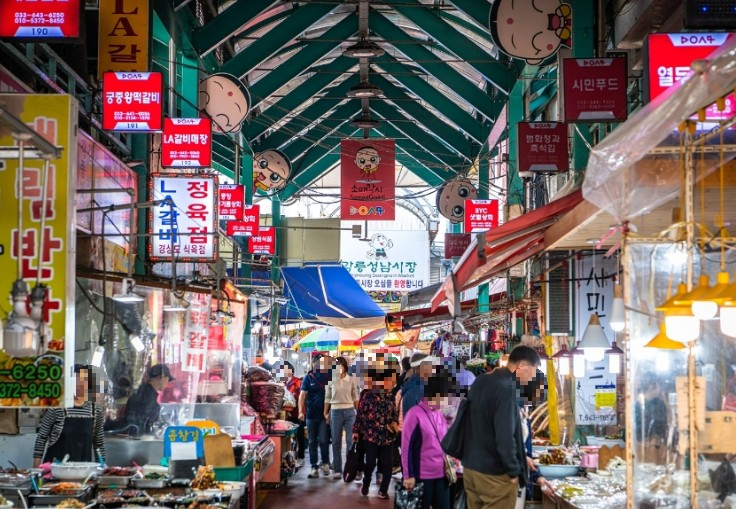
<point x="363" y="49"/>
<point x="365" y="122"/>
<point x="594" y="343"/>
<point x="364" y="90"/>
<point x="127" y="294"/>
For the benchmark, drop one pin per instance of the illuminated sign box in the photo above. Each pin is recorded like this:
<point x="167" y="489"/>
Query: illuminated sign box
<point x="132" y="101"/>
<point x="186" y="143"/>
<point x="50" y="20"/>
<point x="542" y="147"/>
<point x="480" y="215"/>
<point x="231" y="202"/>
<point x="248" y="226"/>
<point x="595" y="89"/>
<point x="264" y="243"/>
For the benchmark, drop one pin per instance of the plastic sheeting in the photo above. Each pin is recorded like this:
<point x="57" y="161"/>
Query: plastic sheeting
<point x="623" y="177"/>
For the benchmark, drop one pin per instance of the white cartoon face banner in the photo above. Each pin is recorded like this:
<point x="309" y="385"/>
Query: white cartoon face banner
<point x="396" y="261"/>
<point x="224" y="99"/>
<point x="367" y="180"/>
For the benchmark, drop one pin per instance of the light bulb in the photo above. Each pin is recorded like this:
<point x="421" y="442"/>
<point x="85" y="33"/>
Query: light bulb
<point x="614" y="363"/>
<point x="728" y="321"/>
<point x="704" y="309"/>
<point x="662" y="361"/>
<point x="97" y="356"/>
<point x="564" y="366"/>
<point x="135" y="340"/>
<point x="682" y="328"/>
<point x="578" y="366"/>
<point x="617" y="320"/>
<point x="594" y="354"/>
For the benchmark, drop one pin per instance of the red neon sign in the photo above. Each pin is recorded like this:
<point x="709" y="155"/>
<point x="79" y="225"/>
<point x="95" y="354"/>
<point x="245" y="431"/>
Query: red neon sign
<point x="132" y="101"/>
<point x="33" y="19"/>
<point x="186" y="143"/>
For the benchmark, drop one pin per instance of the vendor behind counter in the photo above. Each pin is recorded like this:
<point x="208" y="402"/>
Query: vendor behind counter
<point x="142" y="409"/>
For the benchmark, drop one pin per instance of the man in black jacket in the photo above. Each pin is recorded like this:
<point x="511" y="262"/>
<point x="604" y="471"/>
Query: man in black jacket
<point x="494" y="468"/>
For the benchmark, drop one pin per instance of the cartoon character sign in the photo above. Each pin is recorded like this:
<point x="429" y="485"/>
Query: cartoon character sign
<point x="271" y="170"/>
<point x="367" y="159"/>
<point x="532" y="30"/>
<point x="224" y="98"/>
<point x="379" y="244"/>
<point x="451" y="198"/>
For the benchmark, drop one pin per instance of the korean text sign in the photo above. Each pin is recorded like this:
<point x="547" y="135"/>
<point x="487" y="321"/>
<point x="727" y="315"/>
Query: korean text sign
<point x="189" y="227"/>
<point x="33" y="19"/>
<point x="39" y="381"/>
<point x="456" y="244"/>
<point x="186" y="143"/>
<point x="194" y="347"/>
<point x="595" y="89"/>
<point x="480" y="215"/>
<point x="542" y="147"/>
<point x="232" y="202"/>
<point x="668" y="59"/>
<point x="132" y="101"/>
<point x="123" y="36"/>
<point x="264" y="242"/>
<point x="249" y="224"/>
<point x="367" y="180"/>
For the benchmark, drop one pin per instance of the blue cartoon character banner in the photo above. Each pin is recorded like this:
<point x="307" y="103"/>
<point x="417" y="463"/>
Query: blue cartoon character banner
<point x="224" y="99"/>
<point x="531" y="30"/>
<point x="271" y="171"/>
<point x="451" y="198"/>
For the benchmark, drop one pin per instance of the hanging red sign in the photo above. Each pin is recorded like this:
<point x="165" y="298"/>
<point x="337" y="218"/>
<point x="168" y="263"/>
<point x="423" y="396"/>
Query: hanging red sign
<point x="231" y="202"/>
<point x="456" y="244"/>
<point x="668" y="58"/>
<point x="480" y="215"/>
<point x="31" y="19"/>
<point x="367" y="180"/>
<point x="595" y="89"/>
<point x="249" y="224"/>
<point x="542" y="147"/>
<point x="186" y="143"/>
<point x="264" y="242"/>
<point x="132" y="101"/>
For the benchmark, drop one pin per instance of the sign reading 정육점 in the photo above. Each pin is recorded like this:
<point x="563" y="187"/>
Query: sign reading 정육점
<point x="132" y="101"/>
<point x="189" y="227"/>
<point x="32" y="19"/>
<point x="456" y="244"/>
<point x="264" y="242"/>
<point x="668" y="58"/>
<point x="480" y="215"/>
<point x="231" y="202"/>
<point x="122" y="43"/>
<point x="595" y="89"/>
<point x="542" y="147"/>
<point x="186" y="143"/>
<point x="249" y="225"/>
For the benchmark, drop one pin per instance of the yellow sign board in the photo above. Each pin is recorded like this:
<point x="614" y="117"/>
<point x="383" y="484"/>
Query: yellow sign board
<point x="605" y="398"/>
<point x="38" y="380"/>
<point x="124" y="35"/>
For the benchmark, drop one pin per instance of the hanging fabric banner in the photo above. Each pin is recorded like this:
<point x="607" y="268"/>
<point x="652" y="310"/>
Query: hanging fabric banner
<point x="367" y="180"/>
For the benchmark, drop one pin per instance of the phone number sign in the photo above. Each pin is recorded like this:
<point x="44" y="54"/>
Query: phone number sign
<point x="132" y="101"/>
<point x="48" y="19"/>
<point x="187" y="143"/>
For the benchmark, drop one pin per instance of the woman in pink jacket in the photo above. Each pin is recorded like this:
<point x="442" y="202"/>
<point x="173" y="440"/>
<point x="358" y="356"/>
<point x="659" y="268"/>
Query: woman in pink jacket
<point x="422" y="457"/>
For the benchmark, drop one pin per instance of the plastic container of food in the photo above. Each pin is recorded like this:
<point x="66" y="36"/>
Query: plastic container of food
<point x="558" y="471"/>
<point x="75" y="470"/>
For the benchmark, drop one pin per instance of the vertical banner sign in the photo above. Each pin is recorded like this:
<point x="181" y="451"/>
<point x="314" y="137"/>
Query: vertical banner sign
<point x="194" y="347"/>
<point x="231" y="202"/>
<point x="248" y="225"/>
<point x="456" y="244"/>
<point x="47" y="20"/>
<point x="38" y="380"/>
<point x="190" y="229"/>
<point x="593" y="404"/>
<point x="542" y="147"/>
<point x="132" y="101"/>
<point x="264" y="243"/>
<point x="480" y="215"/>
<point x="595" y="89"/>
<point x="186" y="143"/>
<point x="668" y="58"/>
<point x="123" y="36"/>
<point x="367" y="180"/>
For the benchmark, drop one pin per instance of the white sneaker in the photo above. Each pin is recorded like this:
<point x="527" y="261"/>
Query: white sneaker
<point x="337" y="475"/>
<point x="325" y="469"/>
<point x="313" y="474"/>
<point x="359" y="477"/>
<point x="299" y="463"/>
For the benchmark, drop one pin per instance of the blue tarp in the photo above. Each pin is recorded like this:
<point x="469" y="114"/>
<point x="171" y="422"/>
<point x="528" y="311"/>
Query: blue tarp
<point x="329" y="294"/>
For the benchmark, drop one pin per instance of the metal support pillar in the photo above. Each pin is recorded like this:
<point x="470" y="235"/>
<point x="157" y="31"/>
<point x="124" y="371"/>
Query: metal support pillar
<point x="484" y="178"/>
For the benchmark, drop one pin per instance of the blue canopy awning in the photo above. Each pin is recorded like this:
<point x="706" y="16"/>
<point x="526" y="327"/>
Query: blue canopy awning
<point x="329" y="294"/>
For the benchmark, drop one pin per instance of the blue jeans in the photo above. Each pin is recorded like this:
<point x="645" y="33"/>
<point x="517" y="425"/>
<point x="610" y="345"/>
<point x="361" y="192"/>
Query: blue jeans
<point x="317" y="434"/>
<point x="341" y="420"/>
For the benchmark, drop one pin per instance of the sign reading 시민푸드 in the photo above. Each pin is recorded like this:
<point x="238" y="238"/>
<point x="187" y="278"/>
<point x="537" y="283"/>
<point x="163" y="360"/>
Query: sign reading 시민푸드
<point x="595" y="89"/>
<point x="123" y="36"/>
<point x="32" y="19"/>
<point x="39" y="381"/>
<point x="480" y="215"/>
<point x="394" y="261"/>
<point x="190" y="228"/>
<point x="132" y="101"/>
<point x="367" y="180"/>
<point x="542" y="147"/>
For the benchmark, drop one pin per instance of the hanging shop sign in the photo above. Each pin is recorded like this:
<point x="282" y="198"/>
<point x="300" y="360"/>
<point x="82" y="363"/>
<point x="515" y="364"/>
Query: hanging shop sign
<point x="595" y="295"/>
<point x="248" y="225"/>
<point x="271" y="171"/>
<point x="132" y="101"/>
<point x="194" y="346"/>
<point x="224" y="99"/>
<point x="50" y="20"/>
<point x="531" y="31"/>
<point x="189" y="228"/>
<point x="123" y="36"/>
<point x="389" y="261"/>
<point x="451" y="198"/>
<point x="264" y="242"/>
<point x="668" y="58"/>
<point x="231" y="202"/>
<point x="367" y="180"/>
<point x="542" y="147"/>
<point x="595" y="89"/>
<point x="456" y="244"/>
<point x="186" y="143"/>
<point x="44" y="258"/>
<point x="480" y="215"/>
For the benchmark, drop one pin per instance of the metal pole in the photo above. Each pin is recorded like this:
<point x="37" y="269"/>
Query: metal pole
<point x="44" y="195"/>
<point x="19" y="243"/>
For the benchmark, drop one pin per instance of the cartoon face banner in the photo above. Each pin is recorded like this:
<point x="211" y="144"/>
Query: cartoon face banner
<point x="224" y="99"/>
<point x="368" y="180"/>
<point x="451" y="198"/>
<point x="271" y="171"/>
<point x="531" y="30"/>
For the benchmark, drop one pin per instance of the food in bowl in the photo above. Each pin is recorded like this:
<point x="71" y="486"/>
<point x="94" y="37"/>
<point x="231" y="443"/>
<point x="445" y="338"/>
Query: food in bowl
<point x="555" y="457"/>
<point x="75" y="470"/>
<point x="64" y="488"/>
<point x="557" y="471"/>
<point x="70" y="503"/>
